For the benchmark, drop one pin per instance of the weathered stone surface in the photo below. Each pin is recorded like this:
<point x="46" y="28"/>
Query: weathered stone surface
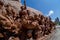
<point x="19" y="22"/>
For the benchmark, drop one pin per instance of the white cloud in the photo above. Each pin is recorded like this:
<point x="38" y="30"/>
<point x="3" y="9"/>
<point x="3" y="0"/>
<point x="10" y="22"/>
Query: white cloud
<point x="50" y="13"/>
<point x="53" y="20"/>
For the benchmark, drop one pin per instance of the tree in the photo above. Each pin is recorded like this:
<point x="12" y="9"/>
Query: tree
<point x="57" y="20"/>
<point x="59" y="23"/>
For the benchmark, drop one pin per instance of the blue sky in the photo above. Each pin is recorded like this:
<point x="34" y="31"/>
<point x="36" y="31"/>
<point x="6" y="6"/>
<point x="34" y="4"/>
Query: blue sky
<point x="47" y="7"/>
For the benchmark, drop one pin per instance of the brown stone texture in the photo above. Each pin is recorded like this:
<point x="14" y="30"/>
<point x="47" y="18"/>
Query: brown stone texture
<point x="19" y="22"/>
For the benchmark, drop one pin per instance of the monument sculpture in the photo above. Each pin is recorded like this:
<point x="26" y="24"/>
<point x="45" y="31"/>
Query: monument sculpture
<point x="19" y="25"/>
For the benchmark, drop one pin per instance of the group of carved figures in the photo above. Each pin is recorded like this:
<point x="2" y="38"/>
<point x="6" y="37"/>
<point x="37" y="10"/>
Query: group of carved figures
<point x="21" y="25"/>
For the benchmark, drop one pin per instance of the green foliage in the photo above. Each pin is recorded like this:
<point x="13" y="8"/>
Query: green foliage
<point x="59" y="23"/>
